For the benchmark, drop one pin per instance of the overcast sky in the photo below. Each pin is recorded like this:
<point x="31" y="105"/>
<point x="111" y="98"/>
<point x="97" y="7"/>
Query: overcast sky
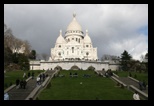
<point x="113" y="28"/>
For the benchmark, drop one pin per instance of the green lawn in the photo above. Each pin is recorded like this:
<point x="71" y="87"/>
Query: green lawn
<point x="11" y="76"/>
<point x="139" y="76"/>
<point x="92" y="88"/>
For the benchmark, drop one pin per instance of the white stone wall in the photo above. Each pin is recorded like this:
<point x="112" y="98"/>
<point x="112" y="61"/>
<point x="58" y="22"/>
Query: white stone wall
<point x="66" y="65"/>
<point x="114" y="67"/>
<point x="34" y="65"/>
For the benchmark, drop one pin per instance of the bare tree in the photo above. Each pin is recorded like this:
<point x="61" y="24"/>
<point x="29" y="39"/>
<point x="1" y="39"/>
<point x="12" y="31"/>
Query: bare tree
<point x="38" y="56"/>
<point x="44" y="55"/>
<point x="8" y="36"/>
<point x="27" y="46"/>
<point x="142" y="58"/>
<point x="108" y="57"/>
<point x="15" y="44"/>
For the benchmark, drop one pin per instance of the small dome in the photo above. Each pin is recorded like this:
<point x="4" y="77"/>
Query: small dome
<point x="74" y="25"/>
<point x="87" y="38"/>
<point x="60" y="39"/>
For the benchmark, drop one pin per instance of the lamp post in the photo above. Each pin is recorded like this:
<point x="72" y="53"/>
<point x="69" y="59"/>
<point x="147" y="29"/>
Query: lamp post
<point x="32" y="65"/>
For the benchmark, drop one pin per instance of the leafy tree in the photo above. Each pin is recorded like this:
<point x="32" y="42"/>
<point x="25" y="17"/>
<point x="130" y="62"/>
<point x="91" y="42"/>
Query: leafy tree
<point x="146" y="62"/>
<point x="108" y="57"/>
<point x="23" y="62"/>
<point x="125" y="60"/>
<point x="32" y="55"/>
<point x="12" y="51"/>
<point x="7" y="56"/>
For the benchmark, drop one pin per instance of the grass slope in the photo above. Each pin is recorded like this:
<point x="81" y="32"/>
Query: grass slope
<point x="92" y="88"/>
<point x="11" y="76"/>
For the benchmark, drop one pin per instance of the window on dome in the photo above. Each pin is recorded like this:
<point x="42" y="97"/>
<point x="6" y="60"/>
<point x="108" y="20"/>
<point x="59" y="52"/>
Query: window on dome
<point x="87" y="45"/>
<point x="79" y="40"/>
<point x="68" y="40"/>
<point x="72" y="38"/>
<point x="59" y="46"/>
<point x="76" y="39"/>
<point x="59" y="53"/>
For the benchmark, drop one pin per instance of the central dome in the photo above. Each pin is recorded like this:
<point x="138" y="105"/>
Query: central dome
<point x="74" y="25"/>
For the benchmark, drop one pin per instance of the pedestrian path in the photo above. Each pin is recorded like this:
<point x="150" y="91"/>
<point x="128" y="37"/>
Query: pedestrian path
<point x="129" y="81"/>
<point x="21" y="94"/>
<point x="126" y="81"/>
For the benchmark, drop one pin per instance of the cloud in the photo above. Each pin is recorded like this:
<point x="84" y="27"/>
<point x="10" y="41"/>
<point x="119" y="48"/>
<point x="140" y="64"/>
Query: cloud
<point x="113" y="28"/>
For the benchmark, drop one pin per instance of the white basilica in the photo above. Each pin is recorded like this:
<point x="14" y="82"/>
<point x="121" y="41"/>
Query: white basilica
<point x="73" y="51"/>
<point x="74" y="45"/>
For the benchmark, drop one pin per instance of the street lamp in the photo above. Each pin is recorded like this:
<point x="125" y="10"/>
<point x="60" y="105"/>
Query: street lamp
<point x="32" y="65"/>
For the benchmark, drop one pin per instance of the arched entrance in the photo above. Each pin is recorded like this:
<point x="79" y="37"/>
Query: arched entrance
<point x="58" y="68"/>
<point x="91" y="68"/>
<point x="75" y="68"/>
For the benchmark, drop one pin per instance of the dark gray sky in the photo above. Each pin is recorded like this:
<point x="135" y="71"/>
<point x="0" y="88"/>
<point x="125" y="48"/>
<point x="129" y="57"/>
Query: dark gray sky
<point x="113" y="28"/>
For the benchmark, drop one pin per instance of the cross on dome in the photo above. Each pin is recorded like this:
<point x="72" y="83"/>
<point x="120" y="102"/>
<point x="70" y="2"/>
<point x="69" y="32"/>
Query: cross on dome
<point x="74" y="14"/>
<point x="60" y="32"/>
<point x="86" y="31"/>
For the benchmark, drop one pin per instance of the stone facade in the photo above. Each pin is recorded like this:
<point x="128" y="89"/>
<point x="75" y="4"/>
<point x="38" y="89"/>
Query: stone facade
<point x="74" y="51"/>
<point x="74" y="45"/>
<point x="68" y="65"/>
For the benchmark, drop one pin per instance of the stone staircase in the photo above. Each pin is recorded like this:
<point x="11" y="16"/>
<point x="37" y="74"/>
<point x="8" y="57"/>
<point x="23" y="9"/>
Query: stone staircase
<point x="129" y="81"/>
<point x="21" y="94"/>
<point x="125" y="80"/>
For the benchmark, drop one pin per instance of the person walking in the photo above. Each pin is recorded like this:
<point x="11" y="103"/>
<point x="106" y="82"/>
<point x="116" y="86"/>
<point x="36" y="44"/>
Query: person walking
<point x="28" y="74"/>
<point x="17" y="83"/>
<point x="38" y="80"/>
<point x="21" y="84"/>
<point x="24" y="76"/>
<point x="6" y="96"/>
<point x="40" y="77"/>
<point x="32" y="75"/>
<point x="136" y="96"/>
<point x="43" y="77"/>
<point x="24" y="84"/>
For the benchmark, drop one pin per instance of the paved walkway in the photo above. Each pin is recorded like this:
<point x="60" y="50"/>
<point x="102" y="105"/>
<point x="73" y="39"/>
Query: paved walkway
<point x="127" y="81"/>
<point x="21" y="94"/>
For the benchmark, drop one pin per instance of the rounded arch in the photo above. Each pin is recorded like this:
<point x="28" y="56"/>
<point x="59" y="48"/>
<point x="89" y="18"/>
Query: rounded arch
<point x="58" y="68"/>
<point x="91" y="68"/>
<point x="74" y="68"/>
